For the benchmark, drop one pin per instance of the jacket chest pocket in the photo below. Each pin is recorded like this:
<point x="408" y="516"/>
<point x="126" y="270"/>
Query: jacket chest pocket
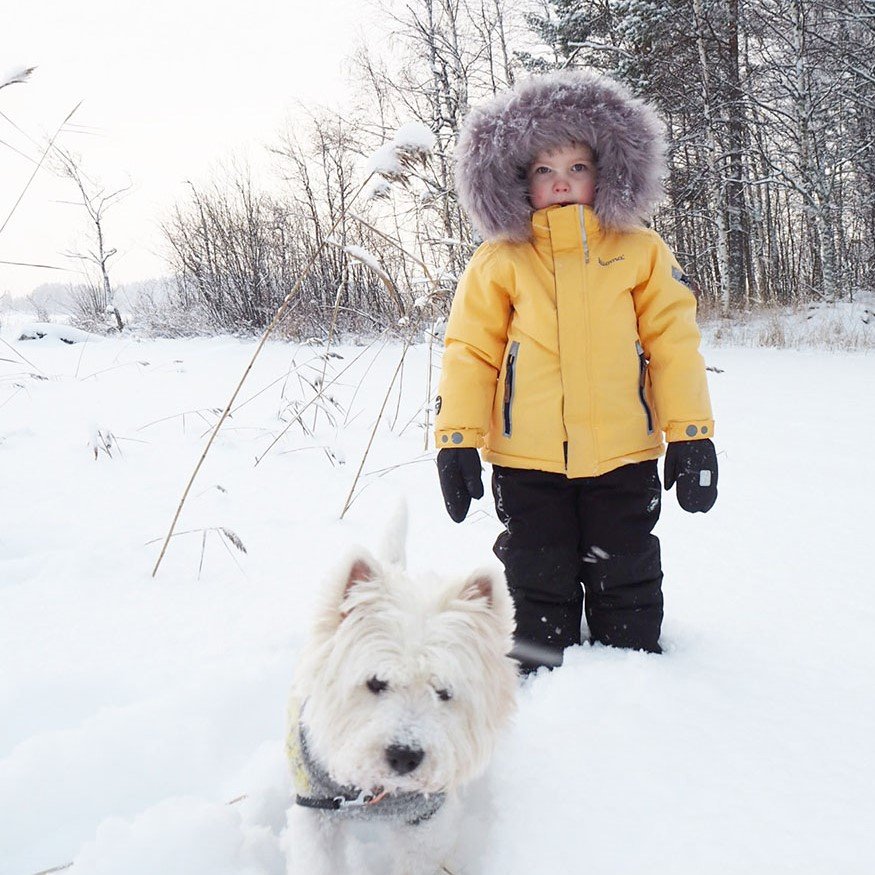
<point x="642" y="382"/>
<point x="509" y="387"/>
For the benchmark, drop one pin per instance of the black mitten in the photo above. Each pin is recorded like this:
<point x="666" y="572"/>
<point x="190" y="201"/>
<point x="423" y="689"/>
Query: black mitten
<point x="693" y="464"/>
<point x="459" y="472"/>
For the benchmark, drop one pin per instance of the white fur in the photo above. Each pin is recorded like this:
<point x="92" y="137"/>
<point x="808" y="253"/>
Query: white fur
<point x="420" y="637"/>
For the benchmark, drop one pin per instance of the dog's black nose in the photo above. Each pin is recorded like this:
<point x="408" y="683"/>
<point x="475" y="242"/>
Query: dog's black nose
<point x="403" y="760"/>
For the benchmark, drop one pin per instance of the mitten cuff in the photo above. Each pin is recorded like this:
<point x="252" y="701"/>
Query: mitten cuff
<point x="693" y="430"/>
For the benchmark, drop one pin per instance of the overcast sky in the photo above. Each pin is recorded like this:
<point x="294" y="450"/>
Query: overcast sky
<point x="169" y="88"/>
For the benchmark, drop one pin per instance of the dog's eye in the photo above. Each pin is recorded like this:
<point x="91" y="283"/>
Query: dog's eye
<point x="444" y="695"/>
<point x="376" y="686"/>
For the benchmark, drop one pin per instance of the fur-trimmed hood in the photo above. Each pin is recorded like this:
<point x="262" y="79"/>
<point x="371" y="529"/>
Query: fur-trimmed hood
<point x="500" y="139"/>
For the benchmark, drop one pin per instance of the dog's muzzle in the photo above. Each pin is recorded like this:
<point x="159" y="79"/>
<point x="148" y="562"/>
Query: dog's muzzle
<point x="316" y="789"/>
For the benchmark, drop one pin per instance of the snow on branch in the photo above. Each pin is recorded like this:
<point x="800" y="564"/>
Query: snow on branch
<point x="371" y="261"/>
<point x="385" y="162"/>
<point x="415" y="137"/>
<point x="395" y="159"/>
<point x="378" y="188"/>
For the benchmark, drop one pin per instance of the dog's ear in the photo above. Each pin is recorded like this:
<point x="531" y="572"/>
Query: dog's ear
<point x="395" y="538"/>
<point x="482" y="584"/>
<point x="486" y="585"/>
<point x="361" y="568"/>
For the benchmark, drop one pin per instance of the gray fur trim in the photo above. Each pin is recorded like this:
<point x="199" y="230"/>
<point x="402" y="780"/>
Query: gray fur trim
<point x="500" y="139"/>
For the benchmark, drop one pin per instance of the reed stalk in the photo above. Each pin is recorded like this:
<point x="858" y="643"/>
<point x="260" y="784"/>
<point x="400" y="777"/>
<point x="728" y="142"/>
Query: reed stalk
<point x="280" y="313"/>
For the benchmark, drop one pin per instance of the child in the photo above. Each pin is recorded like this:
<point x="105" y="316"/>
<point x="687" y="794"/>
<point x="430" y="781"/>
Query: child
<point x="571" y="346"/>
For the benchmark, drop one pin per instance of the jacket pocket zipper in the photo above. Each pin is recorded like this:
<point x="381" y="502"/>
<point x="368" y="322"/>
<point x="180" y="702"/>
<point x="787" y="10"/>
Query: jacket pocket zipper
<point x="509" y="380"/>
<point x="642" y="378"/>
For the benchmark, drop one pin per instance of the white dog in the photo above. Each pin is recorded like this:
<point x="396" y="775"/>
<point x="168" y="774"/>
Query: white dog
<point x="398" y="702"/>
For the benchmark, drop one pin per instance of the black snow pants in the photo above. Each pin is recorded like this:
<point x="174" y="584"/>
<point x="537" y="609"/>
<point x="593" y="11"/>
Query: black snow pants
<point x="562" y="533"/>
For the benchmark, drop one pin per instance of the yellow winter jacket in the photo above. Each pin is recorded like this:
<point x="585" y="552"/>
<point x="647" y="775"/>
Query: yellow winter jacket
<point x="573" y="352"/>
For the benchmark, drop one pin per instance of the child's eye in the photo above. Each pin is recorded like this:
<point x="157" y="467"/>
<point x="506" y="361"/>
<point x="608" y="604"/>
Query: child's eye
<point x="542" y="170"/>
<point x="577" y="168"/>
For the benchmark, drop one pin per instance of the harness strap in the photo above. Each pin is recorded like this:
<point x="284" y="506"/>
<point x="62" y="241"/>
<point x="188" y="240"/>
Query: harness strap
<point x="335" y="803"/>
<point x="311" y="778"/>
<point x="324" y="803"/>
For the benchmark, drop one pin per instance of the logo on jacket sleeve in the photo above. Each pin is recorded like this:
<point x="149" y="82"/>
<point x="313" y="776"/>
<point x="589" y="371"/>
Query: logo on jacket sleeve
<point x="681" y="277"/>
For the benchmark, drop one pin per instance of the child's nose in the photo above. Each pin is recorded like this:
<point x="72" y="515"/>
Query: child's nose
<point x="560" y="184"/>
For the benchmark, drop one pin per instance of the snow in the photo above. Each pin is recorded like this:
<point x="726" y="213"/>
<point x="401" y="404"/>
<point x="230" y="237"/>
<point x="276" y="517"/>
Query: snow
<point x="848" y="325"/>
<point x="180" y="835"/>
<point x="51" y="332"/>
<point x="415" y="137"/>
<point x="137" y="711"/>
<point x="369" y="259"/>
<point x="377" y="188"/>
<point x="15" y="74"/>
<point x="411" y="139"/>
<point x="384" y="160"/>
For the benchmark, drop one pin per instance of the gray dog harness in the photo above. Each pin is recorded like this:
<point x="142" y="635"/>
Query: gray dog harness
<point x="314" y="788"/>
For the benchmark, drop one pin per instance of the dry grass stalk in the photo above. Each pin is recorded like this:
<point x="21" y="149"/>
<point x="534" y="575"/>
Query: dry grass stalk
<point x="414" y="327"/>
<point x="233" y="537"/>
<point x="351" y="404"/>
<point x="182" y="414"/>
<point x="26" y="361"/>
<point x="31" y="264"/>
<point x="281" y="312"/>
<point x="226" y="536"/>
<point x="39" y="165"/>
<point x="331" y="329"/>
<point x="103" y="441"/>
<point x="435" y="286"/>
<point x="397" y="244"/>
<point x="368" y="261"/>
<point x="19" y="77"/>
<point x="349" y="497"/>
<point x="398" y="399"/>
<point x="320" y="392"/>
<point x="428" y="386"/>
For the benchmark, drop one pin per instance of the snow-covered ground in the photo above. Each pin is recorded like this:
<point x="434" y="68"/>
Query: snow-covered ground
<point x="135" y="711"/>
<point x="839" y="325"/>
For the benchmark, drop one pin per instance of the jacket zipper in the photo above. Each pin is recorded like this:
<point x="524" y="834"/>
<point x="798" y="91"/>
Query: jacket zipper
<point x="588" y="352"/>
<point x="642" y="377"/>
<point x="509" y="380"/>
<point x="583" y="236"/>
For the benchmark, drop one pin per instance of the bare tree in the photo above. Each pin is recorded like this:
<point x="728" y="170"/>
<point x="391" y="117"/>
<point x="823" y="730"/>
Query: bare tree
<point x="449" y="54"/>
<point x="237" y="251"/>
<point x="99" y="296"/>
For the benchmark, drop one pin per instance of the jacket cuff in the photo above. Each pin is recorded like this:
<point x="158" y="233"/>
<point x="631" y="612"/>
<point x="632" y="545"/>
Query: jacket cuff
<point x="458" y="437"/>
<point x="696" y="430"/>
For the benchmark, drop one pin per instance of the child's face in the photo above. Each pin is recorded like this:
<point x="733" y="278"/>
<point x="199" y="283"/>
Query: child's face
<point x="566" y="175"/>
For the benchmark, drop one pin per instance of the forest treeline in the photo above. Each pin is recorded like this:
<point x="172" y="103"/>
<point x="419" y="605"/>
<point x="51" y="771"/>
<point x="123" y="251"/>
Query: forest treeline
<point x="770" y="110"/>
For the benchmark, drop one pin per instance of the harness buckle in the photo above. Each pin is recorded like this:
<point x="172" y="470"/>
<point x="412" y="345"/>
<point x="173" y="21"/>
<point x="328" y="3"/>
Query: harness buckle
<point x="363" y="798"/>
